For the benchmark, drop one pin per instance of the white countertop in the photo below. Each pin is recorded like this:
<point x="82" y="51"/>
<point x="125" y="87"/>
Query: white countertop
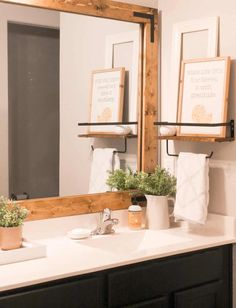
<point x="66" y="258"/>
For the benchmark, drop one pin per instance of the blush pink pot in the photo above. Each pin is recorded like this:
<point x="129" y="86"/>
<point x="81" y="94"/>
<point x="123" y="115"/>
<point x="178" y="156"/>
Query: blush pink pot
<point x="10" y="238"/>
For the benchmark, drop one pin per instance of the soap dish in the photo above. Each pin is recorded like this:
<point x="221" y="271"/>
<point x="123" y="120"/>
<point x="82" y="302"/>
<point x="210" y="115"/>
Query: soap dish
<point x="78" y="233"/>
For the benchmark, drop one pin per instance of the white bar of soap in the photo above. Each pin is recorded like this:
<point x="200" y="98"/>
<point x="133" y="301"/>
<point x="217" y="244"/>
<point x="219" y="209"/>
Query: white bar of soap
<point x="78" y="233"/>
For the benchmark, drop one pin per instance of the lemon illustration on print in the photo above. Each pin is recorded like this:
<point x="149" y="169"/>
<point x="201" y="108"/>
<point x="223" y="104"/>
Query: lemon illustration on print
<point x="200" y="115"/>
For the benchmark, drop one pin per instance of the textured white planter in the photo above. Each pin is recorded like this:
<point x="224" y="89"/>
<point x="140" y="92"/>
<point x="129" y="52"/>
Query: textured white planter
<point x="157" y="214"/>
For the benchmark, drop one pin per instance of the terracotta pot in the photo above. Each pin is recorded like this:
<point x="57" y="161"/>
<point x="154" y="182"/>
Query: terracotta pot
<point x="157" y="214"/>
<point x="10" y="238"/>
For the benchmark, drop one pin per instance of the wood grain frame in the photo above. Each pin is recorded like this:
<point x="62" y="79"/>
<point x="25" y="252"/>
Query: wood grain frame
<point x="147" y="133"/>
<point x="121" y="71"/>
<point x="223" y="119"/>
<point x="75" y="205"/>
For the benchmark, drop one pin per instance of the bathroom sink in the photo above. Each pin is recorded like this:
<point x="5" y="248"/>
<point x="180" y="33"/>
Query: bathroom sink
<point x="129" y="242"/>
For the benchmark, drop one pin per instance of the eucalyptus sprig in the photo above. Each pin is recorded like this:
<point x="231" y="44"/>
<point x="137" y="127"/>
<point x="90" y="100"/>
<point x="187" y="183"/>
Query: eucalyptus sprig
<point x="11" y="214"/>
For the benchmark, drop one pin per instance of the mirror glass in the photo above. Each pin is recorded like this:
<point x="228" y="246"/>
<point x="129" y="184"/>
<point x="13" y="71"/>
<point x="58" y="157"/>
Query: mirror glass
<point x="46" y="60"/>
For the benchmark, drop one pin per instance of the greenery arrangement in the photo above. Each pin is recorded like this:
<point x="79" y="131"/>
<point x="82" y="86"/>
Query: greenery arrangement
<point x="11" y="214"/>
<point x="123" y="179"/>
<point x="159" y="183"/>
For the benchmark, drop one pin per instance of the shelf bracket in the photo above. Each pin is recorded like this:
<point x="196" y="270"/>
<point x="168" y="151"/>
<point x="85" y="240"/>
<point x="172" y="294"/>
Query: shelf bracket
<point x="176" y="155"/>
<point x="231" y="125"/>
<point x="151" y="18"/>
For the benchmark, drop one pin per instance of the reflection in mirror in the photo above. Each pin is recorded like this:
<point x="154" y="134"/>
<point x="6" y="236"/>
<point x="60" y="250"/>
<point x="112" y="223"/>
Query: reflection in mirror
<point x="46" y="63"/>
<point x="194" y="43"/>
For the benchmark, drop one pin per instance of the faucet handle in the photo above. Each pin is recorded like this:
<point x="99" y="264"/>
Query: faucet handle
<point x="106" y="223"/>
<point x="106" y="214"/>
<point x="109" y="228"/>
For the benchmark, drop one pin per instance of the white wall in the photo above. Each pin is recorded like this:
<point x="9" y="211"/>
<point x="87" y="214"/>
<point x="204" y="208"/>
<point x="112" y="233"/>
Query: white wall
<point x="83" y="42"/>
<point x="223" y="163"/>
<point x="20" y="14"/>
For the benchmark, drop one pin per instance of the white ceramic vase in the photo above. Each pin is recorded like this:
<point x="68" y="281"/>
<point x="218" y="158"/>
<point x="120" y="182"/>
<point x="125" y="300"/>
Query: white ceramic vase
<point x="157" y="214"/>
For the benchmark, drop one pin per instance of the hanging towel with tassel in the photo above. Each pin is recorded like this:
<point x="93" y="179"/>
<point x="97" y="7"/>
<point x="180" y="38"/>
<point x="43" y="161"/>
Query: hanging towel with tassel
<point x="104" y="161"/>
<point x="192" y="194"/>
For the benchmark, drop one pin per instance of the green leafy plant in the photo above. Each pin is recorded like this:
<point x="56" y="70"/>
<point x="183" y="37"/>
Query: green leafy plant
<point x="122" y="179"/>
<point x="159" y="183"/>
<point x="11" y="214"/>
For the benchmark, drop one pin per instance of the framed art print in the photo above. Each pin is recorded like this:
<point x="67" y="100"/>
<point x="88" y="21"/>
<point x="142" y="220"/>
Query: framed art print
<point x="107" y="95"/>
<point x="203" y="96"/>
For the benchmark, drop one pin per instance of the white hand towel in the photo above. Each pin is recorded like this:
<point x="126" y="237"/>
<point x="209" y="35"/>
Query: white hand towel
<point x="104" y="160"/>
<point x="116" y="162"/>
<point x="192" y="194"/>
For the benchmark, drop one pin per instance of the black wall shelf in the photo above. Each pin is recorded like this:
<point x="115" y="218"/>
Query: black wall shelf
<point x="108" y="135"/>
<point x="106" y="123"/>
<point x="229" y="124"/>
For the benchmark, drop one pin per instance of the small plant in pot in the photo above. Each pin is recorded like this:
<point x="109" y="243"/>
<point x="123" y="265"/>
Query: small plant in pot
<point x="156" y="187"/>
<point x="12" y="217"/>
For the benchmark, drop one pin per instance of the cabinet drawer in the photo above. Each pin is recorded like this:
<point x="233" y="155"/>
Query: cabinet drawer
<point x="85" y="293"/>
<point x="153" y="279"/>
<point x="161" y="302"/>
<point x="206" y="296"/>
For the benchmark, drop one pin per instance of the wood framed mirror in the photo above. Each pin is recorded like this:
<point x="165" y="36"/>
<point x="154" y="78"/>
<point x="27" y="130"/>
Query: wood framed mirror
<point x="147" y="141"/>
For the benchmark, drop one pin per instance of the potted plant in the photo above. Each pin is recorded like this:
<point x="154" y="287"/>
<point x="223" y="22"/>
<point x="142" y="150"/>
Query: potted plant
<point x="11" y="219"/>
<point x="156" y="187"/>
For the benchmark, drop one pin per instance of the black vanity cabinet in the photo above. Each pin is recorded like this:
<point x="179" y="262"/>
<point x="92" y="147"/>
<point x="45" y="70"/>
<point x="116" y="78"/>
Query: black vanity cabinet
<point x="201" y="279"/>
<point x="84" y="293"/>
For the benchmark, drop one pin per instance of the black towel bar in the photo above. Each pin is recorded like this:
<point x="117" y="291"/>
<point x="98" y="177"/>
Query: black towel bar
<point x="120" y="151"/>
<point x="176" y="155"/>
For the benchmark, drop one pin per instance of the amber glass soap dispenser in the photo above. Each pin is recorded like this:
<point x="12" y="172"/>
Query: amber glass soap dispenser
<point x="135" y="217"/>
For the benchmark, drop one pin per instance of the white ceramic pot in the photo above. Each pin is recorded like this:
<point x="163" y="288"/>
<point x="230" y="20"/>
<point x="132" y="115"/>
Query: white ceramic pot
<point x="157" y="214"/>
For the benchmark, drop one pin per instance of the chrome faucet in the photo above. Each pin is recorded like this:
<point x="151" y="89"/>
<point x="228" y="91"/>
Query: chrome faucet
<point x="106" y="223"/>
